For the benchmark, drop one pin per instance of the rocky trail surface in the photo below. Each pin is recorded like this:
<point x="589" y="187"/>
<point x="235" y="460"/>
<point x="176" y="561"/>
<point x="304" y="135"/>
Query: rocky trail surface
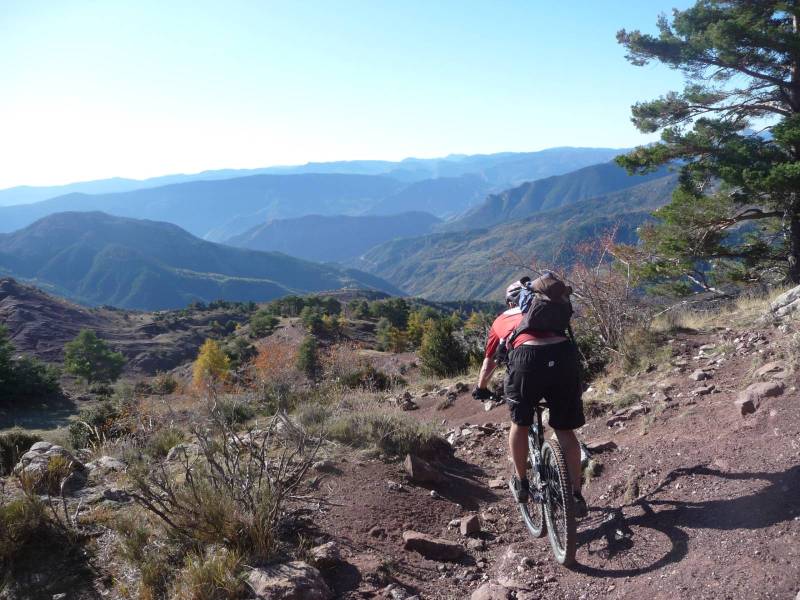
<point x="694" y="494"/>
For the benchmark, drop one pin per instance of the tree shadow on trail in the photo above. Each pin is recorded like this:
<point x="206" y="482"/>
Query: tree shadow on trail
<point x="47" y="413"/>
<point x="621" y="544"/>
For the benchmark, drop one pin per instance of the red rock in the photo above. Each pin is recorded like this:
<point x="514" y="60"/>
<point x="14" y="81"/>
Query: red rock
<point x="749" y="399"/>
<point x="431" y="547"/>
<point x="421" y="471"/>
<point x="491" y="591"/>
<point x="470" y="525"/>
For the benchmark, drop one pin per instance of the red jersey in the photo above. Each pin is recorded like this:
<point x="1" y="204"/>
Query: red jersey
<point x="504" y="325"/>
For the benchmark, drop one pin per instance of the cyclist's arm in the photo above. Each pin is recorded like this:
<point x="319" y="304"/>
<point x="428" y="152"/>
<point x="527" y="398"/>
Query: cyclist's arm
<point x="487" y="368"/>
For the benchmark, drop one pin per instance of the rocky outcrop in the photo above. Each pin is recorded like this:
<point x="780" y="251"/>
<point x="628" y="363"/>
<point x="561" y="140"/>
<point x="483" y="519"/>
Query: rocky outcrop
<point x="749" y="399"/>
<point x="785" y="304"/>
<point x="46" y="465"/>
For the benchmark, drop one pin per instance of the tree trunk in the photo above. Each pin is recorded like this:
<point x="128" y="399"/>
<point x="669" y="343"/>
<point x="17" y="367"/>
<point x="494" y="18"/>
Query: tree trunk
<point x="794" y="240"/>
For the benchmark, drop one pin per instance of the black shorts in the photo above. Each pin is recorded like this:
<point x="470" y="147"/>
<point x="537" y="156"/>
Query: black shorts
<point x="548" y="372"/>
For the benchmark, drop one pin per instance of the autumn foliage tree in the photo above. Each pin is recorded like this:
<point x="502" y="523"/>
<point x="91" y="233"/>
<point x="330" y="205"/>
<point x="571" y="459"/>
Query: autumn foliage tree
<point x="734" y="133"/>
<point x="211" y="366"/>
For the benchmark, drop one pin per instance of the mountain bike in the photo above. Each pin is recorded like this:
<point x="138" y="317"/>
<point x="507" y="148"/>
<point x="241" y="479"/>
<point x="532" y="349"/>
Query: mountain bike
<point x="550" y="508"/>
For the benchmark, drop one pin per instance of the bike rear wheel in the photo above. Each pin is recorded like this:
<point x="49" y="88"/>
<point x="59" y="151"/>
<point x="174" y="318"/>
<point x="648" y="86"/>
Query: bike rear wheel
<point x="533" y="510"/>
<point x="559" y="505"/>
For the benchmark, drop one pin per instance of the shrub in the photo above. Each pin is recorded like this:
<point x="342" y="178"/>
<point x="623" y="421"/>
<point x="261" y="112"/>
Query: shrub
<point x="642" y="348"/>
<point x="237" y="503"/>
<point x="97" y="424"/>
<point x="311" y="318"/>
<point x="440" y="352"/>
<point x="164" y="384"/>
<point x="262" y="323"/>
<point x="211" y="366"/>
<point x="235" y="411"/>
<point x="91" y="359"/>
<point x="389" y="337"/>
<point x="367" y="377"/>
<point x="217" y="575"/>
<point x="391" y="434"/>
<point x="22" y="522"/>
<point x="24" y="377"/>
<point x="308" y="359"/>
<point x="162" y="441"/>
<point x="12" y="446"/>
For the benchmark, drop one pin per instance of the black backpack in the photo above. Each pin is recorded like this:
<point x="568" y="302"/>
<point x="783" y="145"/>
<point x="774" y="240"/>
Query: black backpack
<point x="545" y="305"/>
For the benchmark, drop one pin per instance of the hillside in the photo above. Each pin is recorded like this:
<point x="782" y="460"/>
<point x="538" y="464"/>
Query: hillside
<point x="550" y="193"/>
<point x="95" y="258"/>
<point x="500" y="170"/>
<point x="480" y="262"/>
<point x="332" y="238"/>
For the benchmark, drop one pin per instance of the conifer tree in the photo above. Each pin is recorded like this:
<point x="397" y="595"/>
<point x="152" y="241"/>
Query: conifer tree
<point x="212" y="364"/>
<point x="440" y="352"/>
<point x="734" y="133"/>
<point x="91" y="359"/>
<point x="308" y="358"/>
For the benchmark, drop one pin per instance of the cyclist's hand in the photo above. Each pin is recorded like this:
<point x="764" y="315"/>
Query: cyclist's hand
<point x="482" y="394"/>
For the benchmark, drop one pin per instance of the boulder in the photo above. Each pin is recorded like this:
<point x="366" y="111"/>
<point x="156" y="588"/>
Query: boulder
<point x="785" y="304"/>
<point x="294" y="580"/>
<point x="431" y="547"/>
<point x="750" y="398"/>
<point x="421" y="471"/>
<point x="36" y="466"/>
<point x="326" y="555"/>
<point x="491" y="591"/>
<point x="772" y="369"/>
<point x="106" y="464"/>
<point x="470" y="525"/>
<point x="182" y="452"/>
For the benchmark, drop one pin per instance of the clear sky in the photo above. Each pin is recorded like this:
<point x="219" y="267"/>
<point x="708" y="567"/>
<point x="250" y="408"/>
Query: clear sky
<point x="138" y="88"/>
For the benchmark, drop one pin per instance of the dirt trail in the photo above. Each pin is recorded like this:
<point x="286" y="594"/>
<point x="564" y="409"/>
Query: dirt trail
<point x="696" y="501"/>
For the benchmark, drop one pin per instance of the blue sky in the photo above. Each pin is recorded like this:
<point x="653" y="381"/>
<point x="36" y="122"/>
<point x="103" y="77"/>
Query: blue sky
<point x="141" y="88"/>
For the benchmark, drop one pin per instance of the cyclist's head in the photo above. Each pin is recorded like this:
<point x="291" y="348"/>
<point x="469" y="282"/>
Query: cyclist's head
<point x="512" y="293"/>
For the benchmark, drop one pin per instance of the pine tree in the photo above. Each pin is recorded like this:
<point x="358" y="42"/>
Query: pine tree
<point x="308" y="358"/>
<point x="91" y="359"/>
<point x="734" y="131"/>
<point x="440" y="352"/>
<point x="212" y="365"/>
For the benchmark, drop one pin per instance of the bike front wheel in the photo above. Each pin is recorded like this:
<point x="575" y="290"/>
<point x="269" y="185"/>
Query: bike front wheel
<point x="559" y="505"/>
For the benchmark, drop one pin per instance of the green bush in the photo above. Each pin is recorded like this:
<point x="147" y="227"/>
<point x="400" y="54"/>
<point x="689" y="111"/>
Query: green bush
<point x="367" y="377"/>
<point x="164" y="384"/>
<point x="162" y="441"/>
<point x="96" y="424"/>
<point x="217" y="575"/>
<point x="235" y="411"/>
<point x="262" y="323"/>
<point x="22" y="522"/>
<point x="440" y="352"/>
<point x="24" y="377"/>
<point x="12" y="446"/>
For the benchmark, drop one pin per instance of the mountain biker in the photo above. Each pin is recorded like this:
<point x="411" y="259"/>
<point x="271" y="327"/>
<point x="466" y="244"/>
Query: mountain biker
<point x="543" y="364"/>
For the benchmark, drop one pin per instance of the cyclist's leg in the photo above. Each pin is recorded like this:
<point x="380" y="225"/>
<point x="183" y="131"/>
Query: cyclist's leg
<point x="563" y="396"/>
<point x="521" y="394"/>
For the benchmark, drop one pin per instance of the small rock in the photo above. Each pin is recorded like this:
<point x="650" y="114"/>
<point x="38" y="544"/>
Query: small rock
<point x="460" y="387"/>
<point x="488" y="405"/>
<point x="491" y="591"/>
<point x="601" y="446"/>
<point x="772" y="369"/>
<point x="377" y="532"/>
<point x="394" y="486"/>
<point x="294" y="580"/>
<point x="326" y="555"/>
<point x="116" y="495"/>
<point x="497" y="483"/>
<point x="421" y="471"/>
<point x="470" y="525"/>
<point x="703" y="390"/>
<point x="476" y="544"/>
<point x="431" y="547"/>
<point x="324" y="465"/>
<point x="700" y="375"/>
<point x="182" y="452"/>
<point x="106" y="464"/>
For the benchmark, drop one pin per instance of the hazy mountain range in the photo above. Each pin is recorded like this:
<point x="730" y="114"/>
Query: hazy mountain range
<point x="503" y="169"/>
<point x="455" y="227"/>
<point x="96" y="258"/>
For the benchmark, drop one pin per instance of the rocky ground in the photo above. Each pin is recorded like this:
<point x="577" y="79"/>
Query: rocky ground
<point x="693" y="489"/>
